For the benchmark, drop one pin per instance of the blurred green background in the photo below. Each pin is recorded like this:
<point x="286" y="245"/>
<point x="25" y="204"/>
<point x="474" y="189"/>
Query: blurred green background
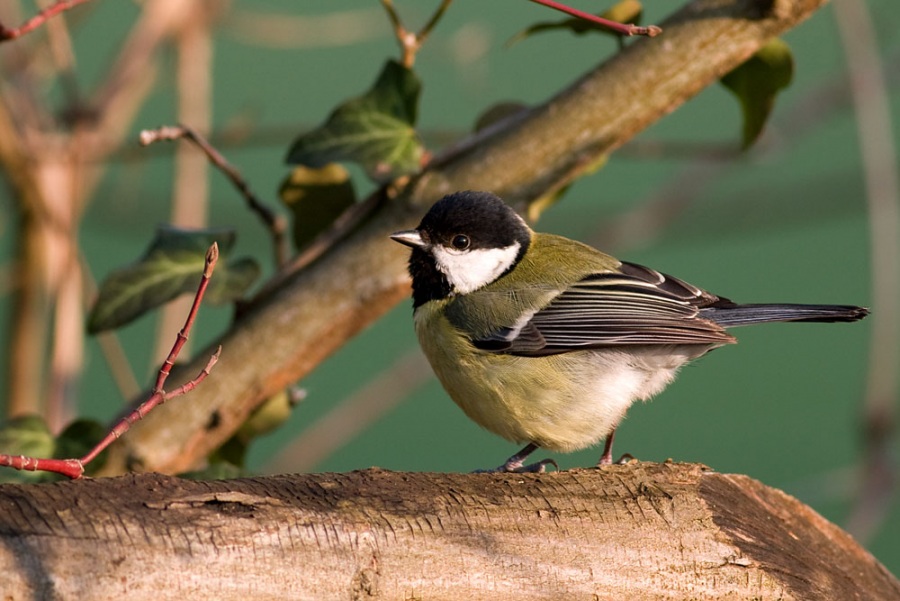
<point x="786" y="222"/>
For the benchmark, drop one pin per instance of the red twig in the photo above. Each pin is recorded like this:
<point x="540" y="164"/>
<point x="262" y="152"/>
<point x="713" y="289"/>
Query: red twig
<point x="276" y="224"/>
<point x="74" y="468"/>
<point x="156" y="399"/>
<point x="620" y="28"/>
<point x="38" y="20"/>
<point x="212" y="257"/>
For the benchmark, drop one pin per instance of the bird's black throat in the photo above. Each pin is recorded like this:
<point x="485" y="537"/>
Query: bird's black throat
<point x="428" y="282"/>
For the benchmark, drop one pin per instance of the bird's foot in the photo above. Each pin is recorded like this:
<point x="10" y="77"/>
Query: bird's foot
<point x="606" y="457"/>
<point x="518" y="467"/>
<point x="516" y="463"/>
<point x="624" y="459"/>
<point x="538" y="467"/>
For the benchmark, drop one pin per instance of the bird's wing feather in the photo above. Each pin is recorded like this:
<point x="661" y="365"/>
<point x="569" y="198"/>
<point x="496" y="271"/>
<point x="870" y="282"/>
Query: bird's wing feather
<point x="635" y="306"/>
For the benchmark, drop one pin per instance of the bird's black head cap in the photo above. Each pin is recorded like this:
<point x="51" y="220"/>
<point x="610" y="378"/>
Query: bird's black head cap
<point x="482" y="218"/>
<point x="486" y="220"/>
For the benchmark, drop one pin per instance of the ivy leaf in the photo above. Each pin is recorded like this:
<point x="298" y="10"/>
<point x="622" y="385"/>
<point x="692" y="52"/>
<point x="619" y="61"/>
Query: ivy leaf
<point x="170" y="267"/>
<point x="625" y="11"/>
<point x="26" y="435"/>
<point x="316" y="197"/>
<point x="757" y="82"/>
<point x="267" y="417"/>
<point x="375" y="130"/>
<point x="231" y="283"/>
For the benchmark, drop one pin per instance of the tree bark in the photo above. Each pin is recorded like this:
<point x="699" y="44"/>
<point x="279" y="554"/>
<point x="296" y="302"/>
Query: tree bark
<point x="640" y="531"/>
<point x="311" y="314"/>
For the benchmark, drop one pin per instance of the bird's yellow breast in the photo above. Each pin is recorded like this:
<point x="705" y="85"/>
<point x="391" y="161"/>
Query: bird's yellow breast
<point x="561" y="402"/>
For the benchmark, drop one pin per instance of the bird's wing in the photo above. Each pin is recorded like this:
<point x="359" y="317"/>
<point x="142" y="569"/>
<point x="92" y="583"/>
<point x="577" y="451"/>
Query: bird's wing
<point x="636" y="306"/>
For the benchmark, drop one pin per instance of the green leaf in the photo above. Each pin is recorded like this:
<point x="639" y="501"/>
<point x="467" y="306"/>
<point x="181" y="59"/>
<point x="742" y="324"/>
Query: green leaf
<point x="536" y="207"/>
<point x="231" y="280"/>
<point x="316" y="197"/>
<point x="375" y="130"/>
<point x="26" y="435"/>
<point x="267" y="417"/>
<point x="757" y="82"/>
<point x="625" y="11"/>
<point x="170" y="267"/>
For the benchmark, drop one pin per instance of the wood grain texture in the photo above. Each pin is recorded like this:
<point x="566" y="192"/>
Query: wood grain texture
<point x="640" y="531"/>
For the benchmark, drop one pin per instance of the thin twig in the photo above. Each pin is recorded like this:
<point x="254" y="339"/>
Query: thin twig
<point x="620" y="28"/>
<point x="38" y="20"/>
<point x="156" y="399"/>
<point x="74" y="468"/>
<point x="433" y="21"/>
<point x="410" y="42"/>
<point x="275" y="223"/>
<point x="212" y="257"/>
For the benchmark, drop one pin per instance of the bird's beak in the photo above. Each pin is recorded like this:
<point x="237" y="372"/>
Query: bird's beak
<point x="411" y="238"/>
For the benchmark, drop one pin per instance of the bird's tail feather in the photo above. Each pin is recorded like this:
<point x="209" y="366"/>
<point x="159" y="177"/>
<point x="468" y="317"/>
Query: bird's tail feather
<point x="739" y="315"/>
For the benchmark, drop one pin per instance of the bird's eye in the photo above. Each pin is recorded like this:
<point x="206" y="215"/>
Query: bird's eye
<point x="460" y="242"/>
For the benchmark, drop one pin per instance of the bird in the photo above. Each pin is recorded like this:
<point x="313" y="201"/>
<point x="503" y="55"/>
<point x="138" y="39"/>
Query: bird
<point x="547" y="341"/>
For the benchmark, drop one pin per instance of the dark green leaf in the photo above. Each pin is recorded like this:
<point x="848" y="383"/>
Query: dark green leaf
<point x="316" y="197"/>
<point x="77" y="439"/>
<point x="231" y="280"/>
<point x="170" y="267"/>
<point x="757" y="82"/>
<point x="625" y="11"/>
<point x="375" y="130"/>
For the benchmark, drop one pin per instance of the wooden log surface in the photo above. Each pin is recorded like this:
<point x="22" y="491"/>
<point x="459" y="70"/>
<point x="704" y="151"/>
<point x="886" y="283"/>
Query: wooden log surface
<point x="638" y="531"/>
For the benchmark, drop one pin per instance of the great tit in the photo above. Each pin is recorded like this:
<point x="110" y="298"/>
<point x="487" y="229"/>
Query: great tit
<point x="546" y="341"/>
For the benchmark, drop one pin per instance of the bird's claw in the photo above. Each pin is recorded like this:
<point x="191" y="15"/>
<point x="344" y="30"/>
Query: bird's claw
<point x="623" y="460"/>
<point x="518" y="467"/>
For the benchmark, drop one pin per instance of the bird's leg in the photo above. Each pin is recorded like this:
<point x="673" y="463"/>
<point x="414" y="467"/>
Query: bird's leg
<point x="516" y="463"/>
<point x="606" y="457"/>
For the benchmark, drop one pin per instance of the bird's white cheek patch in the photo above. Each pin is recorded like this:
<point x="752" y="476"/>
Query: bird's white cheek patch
<point x="470" y="270"/>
